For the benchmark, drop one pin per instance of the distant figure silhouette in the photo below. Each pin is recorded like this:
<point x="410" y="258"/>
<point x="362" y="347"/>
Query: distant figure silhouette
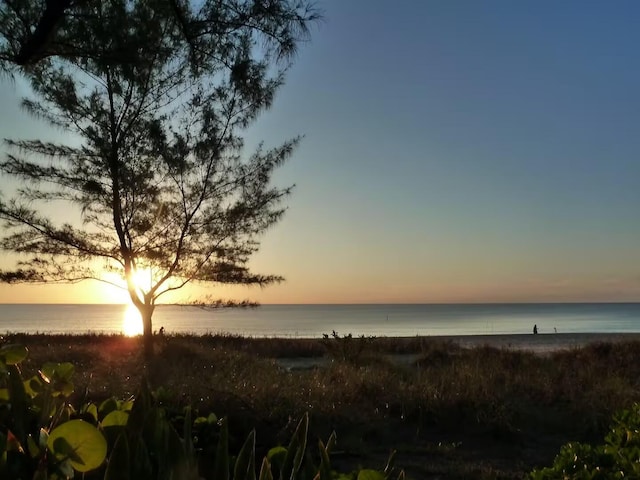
<point x="555" y="329"/>
<point x="535" y="329"/>
<point x="161" y="331"/>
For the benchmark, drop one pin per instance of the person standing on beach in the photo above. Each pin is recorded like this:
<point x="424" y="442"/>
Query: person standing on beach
<point x="535" y="329"/>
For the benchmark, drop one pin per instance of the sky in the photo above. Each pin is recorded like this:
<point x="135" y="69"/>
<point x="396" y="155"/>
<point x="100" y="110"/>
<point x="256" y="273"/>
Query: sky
<point x="454" y="151"/>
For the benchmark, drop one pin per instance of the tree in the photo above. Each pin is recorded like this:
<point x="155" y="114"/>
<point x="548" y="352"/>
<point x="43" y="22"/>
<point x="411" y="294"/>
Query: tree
<point x="31" y="30"/>
<point x="156" y="93"/>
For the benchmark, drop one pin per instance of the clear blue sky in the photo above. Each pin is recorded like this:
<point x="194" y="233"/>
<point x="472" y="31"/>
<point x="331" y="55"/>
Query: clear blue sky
<point x="455" y="151"/>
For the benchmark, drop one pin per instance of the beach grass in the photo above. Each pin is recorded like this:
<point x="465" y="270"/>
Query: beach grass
<point x="481" y="412"/>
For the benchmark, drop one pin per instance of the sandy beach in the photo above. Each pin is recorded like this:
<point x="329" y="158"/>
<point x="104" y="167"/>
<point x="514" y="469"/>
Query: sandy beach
<point x="541" y="343"/>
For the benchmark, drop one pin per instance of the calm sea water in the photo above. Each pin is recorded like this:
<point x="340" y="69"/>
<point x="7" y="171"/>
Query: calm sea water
<point x="314" y="320"/>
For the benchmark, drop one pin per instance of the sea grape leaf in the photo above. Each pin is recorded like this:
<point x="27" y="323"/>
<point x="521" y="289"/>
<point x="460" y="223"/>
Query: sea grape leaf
<point x="366" y="474"/>
<point x="113" y="424"/>
<point x="59" y="375"/>
<point x="66" y="469"/>
<point x="80" y="442"/>
<point x="13" y="354"/>
<point x="58" y="371"/>
<point x="276" y="457"/>
<point x="33" y="386"/>
<point x="108" y="406"/>
<point x="92" y="411"/>
<point x="117" y="418"/>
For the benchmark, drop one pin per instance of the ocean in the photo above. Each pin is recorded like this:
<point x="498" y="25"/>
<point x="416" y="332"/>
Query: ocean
<point x="310" y="321"/>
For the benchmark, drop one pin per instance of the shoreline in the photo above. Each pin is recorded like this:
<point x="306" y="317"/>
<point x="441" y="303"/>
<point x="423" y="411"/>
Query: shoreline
<point x="539" y="343"/>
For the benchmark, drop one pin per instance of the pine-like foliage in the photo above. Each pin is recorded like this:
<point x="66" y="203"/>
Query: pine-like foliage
<point x="158" y="92"/>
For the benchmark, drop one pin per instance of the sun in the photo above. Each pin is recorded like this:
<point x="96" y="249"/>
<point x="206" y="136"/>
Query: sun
<point x="131" y="322"/>
<point x="115" y="288"/>
<point x="143" y="279"/>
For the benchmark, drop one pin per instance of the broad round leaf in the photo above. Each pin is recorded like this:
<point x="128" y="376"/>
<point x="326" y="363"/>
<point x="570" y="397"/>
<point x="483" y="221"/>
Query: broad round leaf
<point x="117" y="418"/>
<point x="79" y="442"/>
<point x="12" y="354"/>
<point x="108" y="406"/>
<point x="370" y="475"/>
<point x="58" y="371"/>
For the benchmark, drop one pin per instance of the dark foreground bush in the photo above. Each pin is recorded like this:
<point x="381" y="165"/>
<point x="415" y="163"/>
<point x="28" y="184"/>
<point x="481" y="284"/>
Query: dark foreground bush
<point x="42" y="436"/>
<point x="617" y="458"/>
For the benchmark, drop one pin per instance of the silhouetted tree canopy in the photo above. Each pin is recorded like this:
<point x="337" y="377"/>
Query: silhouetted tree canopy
<point x="31" y="30"/>
<point x="158" y="93"/>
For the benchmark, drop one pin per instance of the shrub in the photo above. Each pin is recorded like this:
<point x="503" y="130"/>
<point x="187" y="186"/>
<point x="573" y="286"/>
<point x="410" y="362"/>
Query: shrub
<point x="617" y="458"/>
<point x="42" y="436"/>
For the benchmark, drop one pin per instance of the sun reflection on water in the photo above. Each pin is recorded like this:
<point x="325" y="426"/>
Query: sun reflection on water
<point x="131" y="322"/>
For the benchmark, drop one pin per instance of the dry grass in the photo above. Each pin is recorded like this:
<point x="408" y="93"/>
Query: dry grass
<point x="470" y="413"/>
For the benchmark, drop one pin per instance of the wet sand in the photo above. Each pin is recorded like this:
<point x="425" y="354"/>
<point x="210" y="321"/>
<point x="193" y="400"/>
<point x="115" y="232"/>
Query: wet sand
<point x="540" y="343"/>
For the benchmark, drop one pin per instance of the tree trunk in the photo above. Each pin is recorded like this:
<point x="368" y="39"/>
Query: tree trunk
<point x="147" y="332"/>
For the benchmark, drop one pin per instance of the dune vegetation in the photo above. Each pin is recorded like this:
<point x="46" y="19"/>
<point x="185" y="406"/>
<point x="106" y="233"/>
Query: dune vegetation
<point x="449" y="412"/>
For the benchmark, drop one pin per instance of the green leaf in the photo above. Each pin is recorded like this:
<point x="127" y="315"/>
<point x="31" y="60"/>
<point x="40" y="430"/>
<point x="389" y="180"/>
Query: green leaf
<point x="58" y="371"/>
<point x="221" y="466"/>
<point x="141" y="408"/>
<point x="370" y="475"/>
<point x="325" y="463"/>
<point x="118" y="467"/>
<point x="276" y="457"/>
<point x="200" y="421"/>
<point x="331" y="443"/>
<point x="116" y="418"/>
<point x="245" y="468"/>
<point x="66" y="469"/>
<point x="295" y="452"/>
<point x="43" y="437"/>
<point x="92" y="410"/>
<point x="32" y="447"/>
<point x="108" y="406"/>
<point x="276" y="452"/>
<point x="58" y="375"/>
<point x="33" y="386"/>
<point x="18" y="399"/>
<point x="125" y="405"/>
<point x="13" y="354"/>
<point x="79" y="442"/>
<point x="113" y="424"/>
<point x="174" y="453"/>
<point x="265" y="470"/>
